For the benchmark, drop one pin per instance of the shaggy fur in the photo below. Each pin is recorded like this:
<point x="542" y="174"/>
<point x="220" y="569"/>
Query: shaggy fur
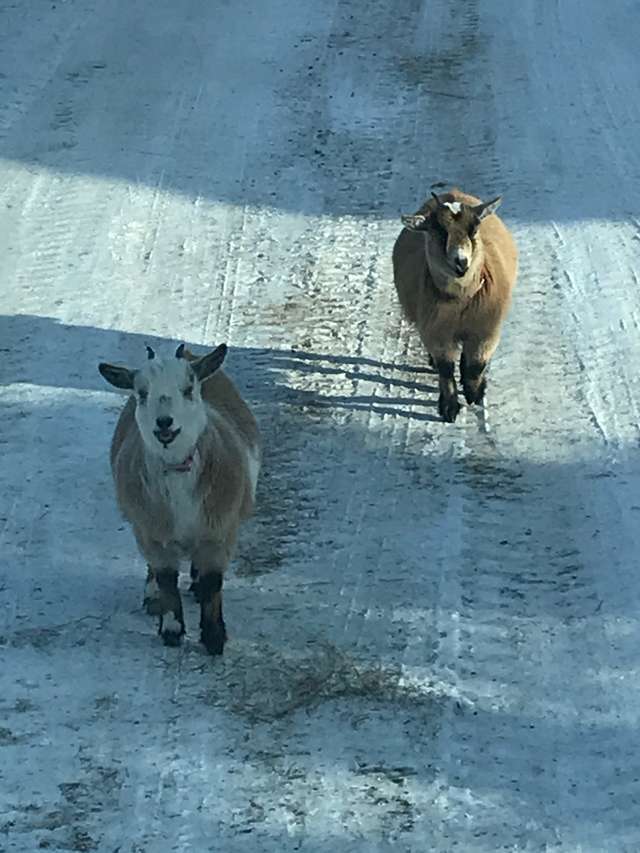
<point x="191" y="513"/>
<point x="455" y="266"/>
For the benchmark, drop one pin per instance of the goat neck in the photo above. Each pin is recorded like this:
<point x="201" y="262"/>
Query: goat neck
<point x="464" y="287"/>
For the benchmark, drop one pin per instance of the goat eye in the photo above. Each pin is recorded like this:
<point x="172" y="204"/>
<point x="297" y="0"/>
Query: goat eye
<point x="188" y="392"/>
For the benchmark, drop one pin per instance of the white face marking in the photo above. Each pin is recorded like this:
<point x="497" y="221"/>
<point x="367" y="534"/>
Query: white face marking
<point x="462" y="258"/>
<point x="454" y="206"/>
<point x="253" y="463"/>
<point x="165" y="383"/>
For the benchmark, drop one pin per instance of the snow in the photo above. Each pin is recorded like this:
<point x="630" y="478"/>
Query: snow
<point x="433" y="628"/>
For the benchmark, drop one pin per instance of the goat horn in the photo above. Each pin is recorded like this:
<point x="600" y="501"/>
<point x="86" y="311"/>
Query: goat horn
<point x="180" y="351"/>
<point x="436" y="198"/>
<point x="150" y="353"/>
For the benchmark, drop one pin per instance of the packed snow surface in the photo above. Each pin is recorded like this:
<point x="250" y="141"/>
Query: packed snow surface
<point x="434" y="637"/>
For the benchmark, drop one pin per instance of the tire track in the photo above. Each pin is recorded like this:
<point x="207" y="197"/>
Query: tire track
<point x="434" y="647"/>
<point x="47" y="44"/>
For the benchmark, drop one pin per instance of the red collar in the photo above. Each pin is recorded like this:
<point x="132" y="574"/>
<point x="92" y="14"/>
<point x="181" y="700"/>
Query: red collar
<point x="184" y="466"/>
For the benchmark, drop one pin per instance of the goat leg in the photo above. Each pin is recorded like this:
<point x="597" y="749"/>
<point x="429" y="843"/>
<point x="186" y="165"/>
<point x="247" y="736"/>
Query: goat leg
<point x="213" y="632"/>
<point x="151" y="600"/>
<point x="448" y="405"/>
<point x="171" y="623"/>
<point x="210" y="561"/>
<point x="474" y="381"/>
<point x="473" y="365"/>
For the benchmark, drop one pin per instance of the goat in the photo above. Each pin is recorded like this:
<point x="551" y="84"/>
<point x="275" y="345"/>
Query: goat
<point x="455" y="266"/>
<point x="185" y="458"/>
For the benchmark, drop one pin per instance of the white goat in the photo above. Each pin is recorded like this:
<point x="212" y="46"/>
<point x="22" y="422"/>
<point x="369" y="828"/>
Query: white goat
<point x="185" y="458"/>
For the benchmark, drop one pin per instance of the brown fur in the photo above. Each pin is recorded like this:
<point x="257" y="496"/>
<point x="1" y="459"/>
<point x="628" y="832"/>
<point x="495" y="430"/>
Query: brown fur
<point x="450" y="313"/>
<point x="223" y="475"/>
<point x="223" y="487"/>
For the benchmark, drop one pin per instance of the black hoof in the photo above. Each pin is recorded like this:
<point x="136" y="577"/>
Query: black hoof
<point x="170" y="629"/>
<point x="448" y="408"/>
<point x="474" y="396"/>
<point x="213" y="638"/>
<point x="171" y="640"/>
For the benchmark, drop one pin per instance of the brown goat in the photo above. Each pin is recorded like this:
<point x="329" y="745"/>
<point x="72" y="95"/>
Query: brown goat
<point x="185" y="457"/>
<point x="455" y="266"/>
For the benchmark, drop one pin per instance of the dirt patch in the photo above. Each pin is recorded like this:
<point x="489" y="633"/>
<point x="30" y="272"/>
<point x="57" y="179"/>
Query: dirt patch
<point x="64" y="827"/>
<point x="276" y="686"/>
<point x="8" y="738"/>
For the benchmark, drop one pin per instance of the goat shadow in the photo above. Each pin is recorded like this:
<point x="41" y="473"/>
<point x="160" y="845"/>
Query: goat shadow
<point x="44" y="352"/>
<point x="543" y="577"/>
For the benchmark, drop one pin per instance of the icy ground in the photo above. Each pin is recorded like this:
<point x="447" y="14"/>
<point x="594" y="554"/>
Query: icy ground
<point x="434" y="629"/>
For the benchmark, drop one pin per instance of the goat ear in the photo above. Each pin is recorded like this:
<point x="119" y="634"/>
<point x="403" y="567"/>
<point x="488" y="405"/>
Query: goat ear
<point x="486" y="208"/>
<point x="183" y="352"/>
<point x="207" y="365"/>
<point x="415" y="221"/>
<point x="120" y="377"/>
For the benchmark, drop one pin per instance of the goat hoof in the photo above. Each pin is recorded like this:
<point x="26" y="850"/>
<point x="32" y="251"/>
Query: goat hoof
<point x="213" y="638"/>
<point x="170" y="629"/>
<point x="474" y="396"/>
<point x="448" y="408"/>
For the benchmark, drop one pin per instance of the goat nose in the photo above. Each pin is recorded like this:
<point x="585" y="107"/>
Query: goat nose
<point x="164" y="423"/>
